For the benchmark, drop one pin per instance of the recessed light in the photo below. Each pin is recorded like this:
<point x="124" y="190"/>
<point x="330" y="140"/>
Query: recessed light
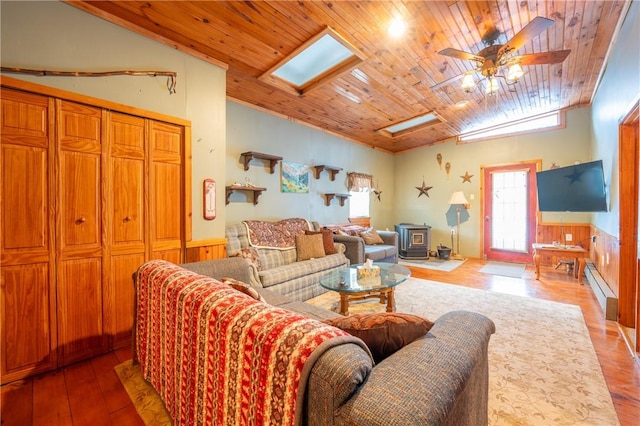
<point x="461" y="104"/>
<point x="397" y="27"/>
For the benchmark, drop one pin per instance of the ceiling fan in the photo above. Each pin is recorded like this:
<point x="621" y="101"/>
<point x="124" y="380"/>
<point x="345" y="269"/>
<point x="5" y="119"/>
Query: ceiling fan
<point x="489" y="60"/>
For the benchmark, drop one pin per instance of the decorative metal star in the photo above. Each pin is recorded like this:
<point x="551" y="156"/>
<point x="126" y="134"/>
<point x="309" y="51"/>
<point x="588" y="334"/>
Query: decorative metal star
<point x="467" y="177"/>
<point x="423" y="189"/>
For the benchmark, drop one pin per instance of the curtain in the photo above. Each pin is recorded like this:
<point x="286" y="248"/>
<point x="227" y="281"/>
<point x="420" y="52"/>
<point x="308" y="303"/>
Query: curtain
<point x="359" y="182"/>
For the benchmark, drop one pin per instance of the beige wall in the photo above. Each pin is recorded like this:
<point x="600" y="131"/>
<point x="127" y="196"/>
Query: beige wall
<point x="618" y="92"/>
<point x="563" y="147"/>
<point x="55" y="36"/>
<point x="252" y="130"/>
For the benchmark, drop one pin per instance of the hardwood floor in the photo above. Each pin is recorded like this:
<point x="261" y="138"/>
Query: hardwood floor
<point x="90" y="393"/>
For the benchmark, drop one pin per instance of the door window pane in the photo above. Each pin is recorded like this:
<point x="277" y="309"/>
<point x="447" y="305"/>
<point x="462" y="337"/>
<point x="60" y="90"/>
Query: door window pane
<point x="509" y="210"/>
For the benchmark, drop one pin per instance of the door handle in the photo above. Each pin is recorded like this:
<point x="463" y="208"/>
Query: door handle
<point x="486" y="218"/>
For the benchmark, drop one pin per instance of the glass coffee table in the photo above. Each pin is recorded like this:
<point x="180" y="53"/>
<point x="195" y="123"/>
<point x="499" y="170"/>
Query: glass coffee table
<point x="346" y="282"/>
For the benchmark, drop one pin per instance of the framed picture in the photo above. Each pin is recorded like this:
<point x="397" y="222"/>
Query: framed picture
<point x="295" y="177"/>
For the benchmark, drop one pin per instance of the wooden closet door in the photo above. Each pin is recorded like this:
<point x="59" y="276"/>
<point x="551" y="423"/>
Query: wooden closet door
<point x="166" y="191"/>
<point x="80" y="281"/>
<point x="27" y="282"/>
<point x="127" y="217"/>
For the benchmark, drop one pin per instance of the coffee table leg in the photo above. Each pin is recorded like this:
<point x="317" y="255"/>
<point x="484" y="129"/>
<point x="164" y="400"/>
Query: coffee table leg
<point x="390" y="301"/>
<point x="344" y="304"/>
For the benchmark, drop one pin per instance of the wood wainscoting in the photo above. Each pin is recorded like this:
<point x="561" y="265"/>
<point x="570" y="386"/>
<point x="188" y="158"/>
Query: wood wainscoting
<point x="215" y="248"/>
<point x="605" y="254"/>
<point x="547" y="233"/>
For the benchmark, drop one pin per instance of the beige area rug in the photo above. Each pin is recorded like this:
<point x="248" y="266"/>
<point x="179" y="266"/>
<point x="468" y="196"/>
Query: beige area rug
<point x="146" y="400"/>
<point x="543" y="367"/>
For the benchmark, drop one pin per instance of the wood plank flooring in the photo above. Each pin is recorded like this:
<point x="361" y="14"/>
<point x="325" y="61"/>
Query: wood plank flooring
<point x="89" y="393"/>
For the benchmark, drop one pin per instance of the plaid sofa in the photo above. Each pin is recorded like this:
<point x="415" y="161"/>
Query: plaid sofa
<point x="279" y="270"/>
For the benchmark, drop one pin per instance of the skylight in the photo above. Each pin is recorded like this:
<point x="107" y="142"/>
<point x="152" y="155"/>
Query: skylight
<point x="541" y="122"/>
<point x="319" y="57"/>
<point x="411" y="125"/>
<point x="319" y="60"/>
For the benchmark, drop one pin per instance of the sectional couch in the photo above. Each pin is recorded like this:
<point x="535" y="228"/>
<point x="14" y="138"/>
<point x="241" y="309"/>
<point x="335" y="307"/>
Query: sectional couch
<point x="439" y="379"/>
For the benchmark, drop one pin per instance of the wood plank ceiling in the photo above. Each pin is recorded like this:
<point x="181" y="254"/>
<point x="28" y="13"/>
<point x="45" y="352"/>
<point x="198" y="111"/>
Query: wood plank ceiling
<point x="394" y="82"/>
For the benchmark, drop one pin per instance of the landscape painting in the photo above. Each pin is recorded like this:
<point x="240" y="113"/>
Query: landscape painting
<point x="295" y="177"/>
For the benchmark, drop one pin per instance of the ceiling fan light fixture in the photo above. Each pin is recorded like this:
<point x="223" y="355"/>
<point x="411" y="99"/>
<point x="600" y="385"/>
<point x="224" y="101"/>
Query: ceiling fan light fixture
<point x="468" y="83"/>
<point x="515" y="72"/>
<point x="492" y="86"/>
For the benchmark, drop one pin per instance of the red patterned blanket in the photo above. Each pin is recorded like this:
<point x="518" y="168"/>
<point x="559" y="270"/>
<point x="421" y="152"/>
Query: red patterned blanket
<point x="278" y="235"/>
<point x="219" y="357"/>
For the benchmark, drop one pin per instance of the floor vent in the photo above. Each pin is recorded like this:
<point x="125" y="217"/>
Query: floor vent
<point x="605" y="296"/>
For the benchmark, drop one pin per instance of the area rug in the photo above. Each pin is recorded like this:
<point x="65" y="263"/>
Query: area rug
<point x="543" y="367"/>
<point x="505" y="269"/>
<point x="433" y="263"/>
<point x="146" y="400"/>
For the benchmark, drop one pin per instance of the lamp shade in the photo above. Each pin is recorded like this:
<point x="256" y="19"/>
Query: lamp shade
<point x="458" y="198"/>
<point x="468" y="84"/>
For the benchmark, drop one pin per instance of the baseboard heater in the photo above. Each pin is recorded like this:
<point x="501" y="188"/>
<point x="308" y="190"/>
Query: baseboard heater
<point x="605" y="296"/>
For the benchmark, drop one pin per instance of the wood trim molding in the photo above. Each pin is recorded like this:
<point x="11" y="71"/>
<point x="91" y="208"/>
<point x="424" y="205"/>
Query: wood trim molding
<point x="28" y="86"/>
<point x="629" y="162"/>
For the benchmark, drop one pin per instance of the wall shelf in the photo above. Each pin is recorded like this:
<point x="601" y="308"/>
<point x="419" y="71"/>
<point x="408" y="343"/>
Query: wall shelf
<point x="333" y="171"/>
<point x="272" y="159"/>
<point x="340" y="197"/>
<point x="255" y="189"/>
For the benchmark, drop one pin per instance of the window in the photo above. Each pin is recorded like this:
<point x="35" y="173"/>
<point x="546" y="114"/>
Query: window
<point x="554" y="120"/>
<point x="360" y="186"/>
<point x="359" y="204"/>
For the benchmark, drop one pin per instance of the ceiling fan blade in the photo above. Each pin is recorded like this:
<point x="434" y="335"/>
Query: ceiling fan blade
<point x="554" y="57"/>
<point x="532" y="29"/>
<point x="448" y="81"/>
<point x="460" y="54"/>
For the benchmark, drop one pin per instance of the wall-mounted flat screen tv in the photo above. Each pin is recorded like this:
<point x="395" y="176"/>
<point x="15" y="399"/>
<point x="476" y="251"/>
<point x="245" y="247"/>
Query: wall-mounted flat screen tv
<point x="577" y="188"/>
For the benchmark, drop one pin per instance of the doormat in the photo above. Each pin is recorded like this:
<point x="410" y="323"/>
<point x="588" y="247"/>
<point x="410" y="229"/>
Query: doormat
<point x="505" y="269"/>
<point x="432" y="263"/>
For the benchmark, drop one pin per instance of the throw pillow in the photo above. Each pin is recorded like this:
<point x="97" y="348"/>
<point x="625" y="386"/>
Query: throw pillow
<point x="327" y="240"/>
<point x="384" y="333"/>
<point x="371" y="237"/>
<point x="252" y="255"/>
<point x="242" y="287"/>
<point x="309" y="246"/>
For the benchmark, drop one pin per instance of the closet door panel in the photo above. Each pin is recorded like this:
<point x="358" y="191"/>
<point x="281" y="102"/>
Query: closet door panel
<point x="129" y="236"/>
<point x="80" y="318"/>
<point x="128" y="203"/>
<point x="27" y="281"/>
<point x="25" y="213"/>
<point x="121" y="316"/>
<point x="80" y="201"/>
<point x="166" y="185"/>
<point x="28" y="323"/>
<point x="80" y="221"/>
